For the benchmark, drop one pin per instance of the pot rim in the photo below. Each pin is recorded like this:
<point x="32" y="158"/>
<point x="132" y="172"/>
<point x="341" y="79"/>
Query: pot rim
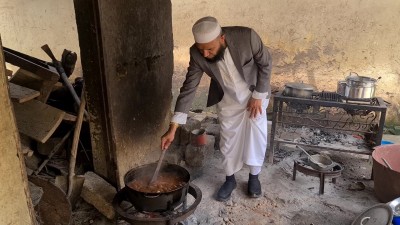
<point x="360" y="81"/>
<point x="151" y="165"/>
<point x="300" y="86"/>
<point x="360" y="78"/>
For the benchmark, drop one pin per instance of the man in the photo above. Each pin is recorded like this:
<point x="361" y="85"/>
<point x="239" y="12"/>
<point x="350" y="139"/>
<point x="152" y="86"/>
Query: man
<point x="240" y="69"/>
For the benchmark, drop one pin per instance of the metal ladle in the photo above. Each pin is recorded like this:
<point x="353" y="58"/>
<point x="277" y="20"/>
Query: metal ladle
<point x="155" y="175"/>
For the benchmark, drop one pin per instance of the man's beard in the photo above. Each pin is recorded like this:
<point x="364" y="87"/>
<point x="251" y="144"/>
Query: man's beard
<point x="218" y="56"/>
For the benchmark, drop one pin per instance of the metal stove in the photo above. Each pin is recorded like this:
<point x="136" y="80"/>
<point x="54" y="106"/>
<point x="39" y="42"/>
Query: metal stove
<point x="127" y="212"/>
<point x="327" y="112"/>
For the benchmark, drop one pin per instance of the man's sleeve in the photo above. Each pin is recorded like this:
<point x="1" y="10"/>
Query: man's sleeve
<point x="179" y="118"/>
<point x="263" y="60"/>
<point x="258" y="95"/>
<point x="187" y="91"/>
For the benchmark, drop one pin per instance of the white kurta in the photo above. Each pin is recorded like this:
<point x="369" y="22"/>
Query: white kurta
<point x="243" y="139"/>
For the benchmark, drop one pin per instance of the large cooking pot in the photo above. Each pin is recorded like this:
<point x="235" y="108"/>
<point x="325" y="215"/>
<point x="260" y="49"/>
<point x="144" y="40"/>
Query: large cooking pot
<point x="358" y="87"/>
<point x="386" y="180"/>
<point x="298" y="90"/>
<point x="156" y="202"/>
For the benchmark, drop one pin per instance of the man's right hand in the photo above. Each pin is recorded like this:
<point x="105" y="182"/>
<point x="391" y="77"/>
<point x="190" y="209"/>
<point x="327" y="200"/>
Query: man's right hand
<point x="169" y="136"/>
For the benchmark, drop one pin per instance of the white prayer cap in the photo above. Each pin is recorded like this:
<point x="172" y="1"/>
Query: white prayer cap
<point x="206" y="29"/>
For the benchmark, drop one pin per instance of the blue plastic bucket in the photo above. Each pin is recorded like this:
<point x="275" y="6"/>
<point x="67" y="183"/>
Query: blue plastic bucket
<point x="385" y="142"/>
<point x="396" y="220"/>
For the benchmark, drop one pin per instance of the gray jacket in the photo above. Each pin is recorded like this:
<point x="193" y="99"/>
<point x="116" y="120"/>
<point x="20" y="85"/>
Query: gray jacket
<point x="250" y="56"/>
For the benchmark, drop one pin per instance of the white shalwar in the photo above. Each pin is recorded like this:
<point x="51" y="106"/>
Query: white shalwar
<point x="243" y="139"/>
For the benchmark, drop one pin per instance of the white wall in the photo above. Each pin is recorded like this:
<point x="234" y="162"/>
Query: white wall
<point x="26" y="25"/>
<point x="317" y="42"/>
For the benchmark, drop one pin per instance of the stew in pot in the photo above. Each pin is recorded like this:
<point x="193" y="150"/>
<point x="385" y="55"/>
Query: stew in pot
<point x="166" y="182"/>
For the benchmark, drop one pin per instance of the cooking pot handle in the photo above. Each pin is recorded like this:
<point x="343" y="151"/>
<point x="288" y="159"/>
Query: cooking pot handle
<point x="387" y="103"/>
<point x="351" y="73"/>
<point x="151" y="196"/>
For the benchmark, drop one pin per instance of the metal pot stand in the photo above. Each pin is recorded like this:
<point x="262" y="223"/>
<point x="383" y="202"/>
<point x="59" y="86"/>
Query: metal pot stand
<point x="127" y="211"/>
<point x="302" y="166"/>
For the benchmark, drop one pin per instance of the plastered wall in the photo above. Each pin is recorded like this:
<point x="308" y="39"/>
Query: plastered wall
<point x="317" y="42"/>
<point x="26" y="25"/>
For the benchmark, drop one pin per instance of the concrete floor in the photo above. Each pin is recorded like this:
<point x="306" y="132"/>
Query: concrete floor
<point x="393" y="138"/>
<point x="284" y="201"/>
<point x="290" y="202"/>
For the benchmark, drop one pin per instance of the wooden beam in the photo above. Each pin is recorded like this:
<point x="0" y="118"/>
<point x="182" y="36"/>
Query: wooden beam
<point x="15" y="198"/>
<point x="37" y="120"/>
<point x="90" y="40"/>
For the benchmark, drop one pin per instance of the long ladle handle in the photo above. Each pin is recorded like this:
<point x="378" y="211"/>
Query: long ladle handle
<point x="304" y="151"/>
<point x="155" y="175"/>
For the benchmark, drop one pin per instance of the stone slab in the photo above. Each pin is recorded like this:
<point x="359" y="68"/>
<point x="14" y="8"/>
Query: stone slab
<point x="99" y="193"/>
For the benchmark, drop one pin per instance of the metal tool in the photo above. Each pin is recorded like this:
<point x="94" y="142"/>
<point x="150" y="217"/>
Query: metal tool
<point x="53" y="152"/>
<point x="72" y="184"/>
<point x="155" y="175"/>
<point x="305" y="152"/>
<point x="315" y="162"/>
<point x="63" y="75"/>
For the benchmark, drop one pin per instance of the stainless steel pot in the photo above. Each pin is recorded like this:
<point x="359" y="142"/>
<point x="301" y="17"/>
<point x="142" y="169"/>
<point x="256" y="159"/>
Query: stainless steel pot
<point x="359" y="87"/>
<point x="298" y="90"/>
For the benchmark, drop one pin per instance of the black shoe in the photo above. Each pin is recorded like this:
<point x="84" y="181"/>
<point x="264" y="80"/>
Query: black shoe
<point x="224" y="193"/>
<point x="254" y="186"/>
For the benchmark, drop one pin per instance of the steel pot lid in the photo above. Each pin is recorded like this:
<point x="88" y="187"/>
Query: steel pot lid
<point x="363" y="81"/>
<point x="395" y="205"/>
<point x="301" y="86"/>
<point x="377" y="214"/>
<point x="360" y="78"/>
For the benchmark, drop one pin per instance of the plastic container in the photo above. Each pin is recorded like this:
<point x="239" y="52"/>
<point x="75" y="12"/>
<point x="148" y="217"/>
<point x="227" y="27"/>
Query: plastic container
<point x="385" y="142"/>
<point x="198" y="137"/>
<point x="396" y="220"/>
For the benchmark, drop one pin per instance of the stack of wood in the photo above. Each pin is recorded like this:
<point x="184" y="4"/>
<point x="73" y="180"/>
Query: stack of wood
<point x="36" y="120"/>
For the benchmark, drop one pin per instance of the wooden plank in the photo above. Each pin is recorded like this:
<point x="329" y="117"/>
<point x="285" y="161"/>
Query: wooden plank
<point x="22" y="94"/>
<point x="69" y="117"/>
<point x="27" y="79"/>
<point x="8" y="73"/>
<point x="33" y="81"/>
<point x="37" y="120"/>
<point x="72" y="118"/>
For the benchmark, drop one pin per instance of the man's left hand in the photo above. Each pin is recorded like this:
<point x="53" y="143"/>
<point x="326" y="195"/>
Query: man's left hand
<point x="254" y="107"/>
